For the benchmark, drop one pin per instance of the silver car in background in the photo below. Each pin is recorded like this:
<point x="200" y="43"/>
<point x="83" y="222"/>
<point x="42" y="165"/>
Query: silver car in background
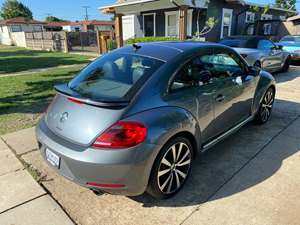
<point x="260" y="52"/>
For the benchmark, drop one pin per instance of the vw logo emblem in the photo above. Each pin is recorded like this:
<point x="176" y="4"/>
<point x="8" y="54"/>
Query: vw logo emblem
<point x="64" y="117"/>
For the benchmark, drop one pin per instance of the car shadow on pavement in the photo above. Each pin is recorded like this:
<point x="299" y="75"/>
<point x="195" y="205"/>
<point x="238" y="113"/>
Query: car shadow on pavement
<point x="292" y="74"/>
<point x="216" y="167"/>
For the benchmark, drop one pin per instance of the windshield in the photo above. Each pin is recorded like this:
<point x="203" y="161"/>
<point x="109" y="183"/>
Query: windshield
<point x="235" y="43"/>
<point x="114" y="76"/>
<point x="291" y="38"/>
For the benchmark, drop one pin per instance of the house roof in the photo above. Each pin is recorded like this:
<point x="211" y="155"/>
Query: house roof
<point x="78" y="23"/>
<point x="243" y="2"/>
<point x="111" y="8"/>
<point x="293" y="18"/>
<point x="20" y="20"/>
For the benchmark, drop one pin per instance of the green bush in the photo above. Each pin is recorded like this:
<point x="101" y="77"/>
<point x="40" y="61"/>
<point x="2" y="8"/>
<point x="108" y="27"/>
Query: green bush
<point x="150" y="39"/>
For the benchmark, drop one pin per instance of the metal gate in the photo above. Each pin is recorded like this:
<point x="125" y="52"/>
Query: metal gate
<point x="82" y="41"/>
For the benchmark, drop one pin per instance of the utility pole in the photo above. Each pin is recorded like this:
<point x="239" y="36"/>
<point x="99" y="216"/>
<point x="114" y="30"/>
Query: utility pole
<point x="86" y="12"/>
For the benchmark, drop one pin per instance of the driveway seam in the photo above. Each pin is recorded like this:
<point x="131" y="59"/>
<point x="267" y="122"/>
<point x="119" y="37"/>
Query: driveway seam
<point x="23" y="203"/>
<point x="58" y="203"/>
<point x="12" y="172"/>
<point x="40" y="184"/>
<point x="240" y="169"/>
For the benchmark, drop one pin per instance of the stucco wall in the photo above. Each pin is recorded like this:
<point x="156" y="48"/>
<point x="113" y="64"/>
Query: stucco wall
<point x="4" y="36"/>
<point x="18" y="39"/>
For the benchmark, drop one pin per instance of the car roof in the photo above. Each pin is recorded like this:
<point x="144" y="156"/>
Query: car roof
<point x="165" y="51"/>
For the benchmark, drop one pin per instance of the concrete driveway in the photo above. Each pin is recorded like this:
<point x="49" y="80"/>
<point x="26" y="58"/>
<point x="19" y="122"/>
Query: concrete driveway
<point x="253" y="177"/>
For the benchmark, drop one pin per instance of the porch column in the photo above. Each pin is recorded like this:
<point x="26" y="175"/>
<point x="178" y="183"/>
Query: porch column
<point x="183" y="11"/>
<point x="119" y="30"/>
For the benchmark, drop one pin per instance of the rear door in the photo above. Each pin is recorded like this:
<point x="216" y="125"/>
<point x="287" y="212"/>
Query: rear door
<point x="234" y="89"/>
<point x="196" y="97"/>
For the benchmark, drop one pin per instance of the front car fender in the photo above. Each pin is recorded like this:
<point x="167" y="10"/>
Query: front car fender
<point x="265" y="82"/>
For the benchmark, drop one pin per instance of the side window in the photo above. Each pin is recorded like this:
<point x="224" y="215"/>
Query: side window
<point x="184" y="78"/>
<point x="265" y="45"/>
<point x="223" y="65"/>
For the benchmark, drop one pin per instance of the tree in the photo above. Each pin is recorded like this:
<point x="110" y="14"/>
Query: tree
<point x="286" y="4"/>
<point x="53" y="19"/>
<point x="13" y="8"/>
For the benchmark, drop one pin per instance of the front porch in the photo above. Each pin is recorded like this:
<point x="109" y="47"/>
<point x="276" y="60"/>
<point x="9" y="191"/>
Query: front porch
<point x="148" y="18"/>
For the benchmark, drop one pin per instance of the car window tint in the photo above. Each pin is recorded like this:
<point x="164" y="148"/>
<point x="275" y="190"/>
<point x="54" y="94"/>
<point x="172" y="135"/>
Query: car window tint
<point x="265" y="45"/>
<point x="222" y="65"/>
<point x="113" y="76"/>
<point x="184" y="78"/>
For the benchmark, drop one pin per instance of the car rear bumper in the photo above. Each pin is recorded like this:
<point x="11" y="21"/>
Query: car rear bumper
<point x="128" y="168"/>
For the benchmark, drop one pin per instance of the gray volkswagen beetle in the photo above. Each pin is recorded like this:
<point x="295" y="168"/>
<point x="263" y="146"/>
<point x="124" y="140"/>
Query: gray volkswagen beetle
<point x="136" y="118"/>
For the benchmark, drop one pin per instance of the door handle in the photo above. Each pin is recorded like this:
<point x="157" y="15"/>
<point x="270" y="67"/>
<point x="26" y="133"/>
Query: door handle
<point x="220" y="98"/>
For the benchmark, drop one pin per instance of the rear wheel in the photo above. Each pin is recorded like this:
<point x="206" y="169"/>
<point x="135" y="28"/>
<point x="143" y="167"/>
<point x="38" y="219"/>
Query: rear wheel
<point x="171" y="168"/>
<point x="266" y="107"/>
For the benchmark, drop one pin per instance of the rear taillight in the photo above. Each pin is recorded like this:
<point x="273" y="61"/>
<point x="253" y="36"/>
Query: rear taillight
<point x="123" y="134"/>
<point x="244" y="56"/>
<point x="75" y="101"/>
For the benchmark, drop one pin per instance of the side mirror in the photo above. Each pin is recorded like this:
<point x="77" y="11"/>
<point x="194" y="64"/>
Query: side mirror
<point x="279" y="47"/>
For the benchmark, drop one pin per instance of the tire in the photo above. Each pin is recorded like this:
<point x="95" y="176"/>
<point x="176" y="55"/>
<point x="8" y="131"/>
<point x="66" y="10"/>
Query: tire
<point x="286" y="65"/>
<point x="265" y="108"/>
<point x="170" y="173"/>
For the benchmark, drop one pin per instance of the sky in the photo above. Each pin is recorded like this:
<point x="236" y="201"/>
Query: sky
<point x="73" y="9"/>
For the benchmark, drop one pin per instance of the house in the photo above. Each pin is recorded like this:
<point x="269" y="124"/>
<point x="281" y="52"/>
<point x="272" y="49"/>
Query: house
<point x="84" y="26"/>
<point x="10" y="30"/>
<point x="184" y="18"/>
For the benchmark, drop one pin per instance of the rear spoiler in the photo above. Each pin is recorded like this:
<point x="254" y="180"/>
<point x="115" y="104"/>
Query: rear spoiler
<point x="63" y="89"/>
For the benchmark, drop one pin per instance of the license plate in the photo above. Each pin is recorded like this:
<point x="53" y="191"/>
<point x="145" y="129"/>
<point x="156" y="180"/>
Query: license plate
<point x="52" y="158"/>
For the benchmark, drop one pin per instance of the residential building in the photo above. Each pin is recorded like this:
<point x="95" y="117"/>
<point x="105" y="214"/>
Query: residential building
<point x="185" y="18"/>
<point x="83" y="26"/>
<point x="10" y="29"/>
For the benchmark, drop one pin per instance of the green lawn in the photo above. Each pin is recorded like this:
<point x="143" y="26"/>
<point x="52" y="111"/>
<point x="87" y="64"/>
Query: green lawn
<point x="24" y="98"/>
<point x="15" y="59"/>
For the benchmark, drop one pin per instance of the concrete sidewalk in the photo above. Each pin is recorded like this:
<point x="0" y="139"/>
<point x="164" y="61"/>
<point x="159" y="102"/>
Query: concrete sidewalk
<point x="22" y="200"/>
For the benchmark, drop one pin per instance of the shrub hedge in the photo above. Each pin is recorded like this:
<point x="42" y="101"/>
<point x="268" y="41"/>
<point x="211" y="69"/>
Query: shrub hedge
<point x="150" y="39"/>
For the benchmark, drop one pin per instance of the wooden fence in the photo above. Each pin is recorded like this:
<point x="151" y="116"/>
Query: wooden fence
<point x="50" y="41"/>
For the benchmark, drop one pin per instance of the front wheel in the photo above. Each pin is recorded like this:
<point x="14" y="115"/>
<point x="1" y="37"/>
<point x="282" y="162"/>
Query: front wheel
<point x="171" y="168"/>
<point x="286" y="65"/>
<point x="266" y="107"/>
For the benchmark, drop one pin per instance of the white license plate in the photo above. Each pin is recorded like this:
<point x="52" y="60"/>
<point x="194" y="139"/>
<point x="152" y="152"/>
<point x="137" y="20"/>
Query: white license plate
<point x="52" y="158"/>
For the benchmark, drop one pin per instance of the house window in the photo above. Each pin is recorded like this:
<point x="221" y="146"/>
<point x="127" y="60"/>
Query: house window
<point x="1" y="28"/>
<point x="267" y="29"/>
<point x="16" y="28"/>
<point x="149" y="25"/>
<point x="266" y="17"/>
<point x="250" y="29"/>
<point x="282" y="18"/>
<point x="250" y="17"/>
<point x="172" y="24"/>
<point x="37" y="28"/>
<point x="226" y="23"/>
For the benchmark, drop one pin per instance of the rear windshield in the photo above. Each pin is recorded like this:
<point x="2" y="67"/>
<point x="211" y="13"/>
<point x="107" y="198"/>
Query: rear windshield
<point x="114" y="76"/>
<point x="291" y="38"/>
